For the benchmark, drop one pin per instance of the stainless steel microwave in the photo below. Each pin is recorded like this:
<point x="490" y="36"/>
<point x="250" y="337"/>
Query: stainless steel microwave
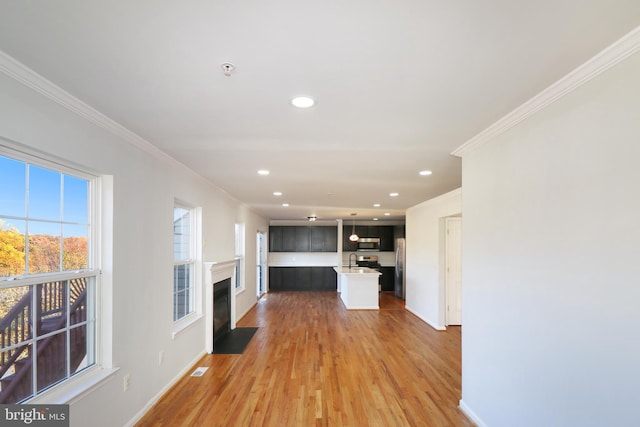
<point x="368" y="244"/>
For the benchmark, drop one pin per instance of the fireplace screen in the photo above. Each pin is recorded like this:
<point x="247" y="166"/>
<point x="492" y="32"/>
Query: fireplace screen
<point x="221" y="309"/>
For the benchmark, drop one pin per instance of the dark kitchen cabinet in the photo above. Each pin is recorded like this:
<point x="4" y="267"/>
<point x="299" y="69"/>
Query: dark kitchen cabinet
<point x="324" y="279"/>
<point x="330" y="239"/>
<point x="348" y="245"/>
<point x="303" y="239"/>
<point x="387" y="242"/>
<point x="387" y="283"/>
<point x="282" y="239"/>
<point x="288" y="239"/>
<point x="316" y="239"/>
<point x="281" y="278"/>
<point x="275" y="239"/>
<point x="302" y="279"/>
<point x="324" y="239"/>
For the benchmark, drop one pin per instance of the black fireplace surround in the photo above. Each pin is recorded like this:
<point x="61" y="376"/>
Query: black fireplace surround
<point x="221" y="309"/>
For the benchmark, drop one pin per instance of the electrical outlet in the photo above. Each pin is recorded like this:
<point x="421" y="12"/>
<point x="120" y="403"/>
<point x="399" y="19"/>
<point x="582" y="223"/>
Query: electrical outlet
<point x="127" y="382"/>
<point x="161" y="358"/>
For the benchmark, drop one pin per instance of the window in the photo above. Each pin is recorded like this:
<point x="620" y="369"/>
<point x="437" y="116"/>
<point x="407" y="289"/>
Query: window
<point x="183" y="261"/>
<point x="239" y="249"/>
<point x="48" y="275"/>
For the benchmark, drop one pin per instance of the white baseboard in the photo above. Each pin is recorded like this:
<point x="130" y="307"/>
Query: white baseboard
<point x="427" y="321"/>
<point x="470" y="414"/>
<point x="137" y="417"/>
<point x="239" y="317"/>
<point x="362" y="307"/>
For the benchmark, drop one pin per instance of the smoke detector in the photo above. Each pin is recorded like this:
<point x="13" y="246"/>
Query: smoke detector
<point x="227" y="68"/>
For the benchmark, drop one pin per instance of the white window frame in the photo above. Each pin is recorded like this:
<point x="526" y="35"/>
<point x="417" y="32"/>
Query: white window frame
<point x="240" y="257"/>
<point x="100" y="243"/>
<point x="195" y="240"/>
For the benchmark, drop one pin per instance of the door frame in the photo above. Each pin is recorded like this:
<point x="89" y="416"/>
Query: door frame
<point x="261" y="263"/>
<point x="456" y="247"/>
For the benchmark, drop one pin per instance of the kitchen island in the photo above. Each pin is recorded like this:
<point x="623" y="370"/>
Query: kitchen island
<point x="358" y="287"/>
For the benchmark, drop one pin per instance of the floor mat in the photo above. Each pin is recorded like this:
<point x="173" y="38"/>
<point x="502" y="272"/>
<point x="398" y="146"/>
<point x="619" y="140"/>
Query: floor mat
<point x="235" y="342"/>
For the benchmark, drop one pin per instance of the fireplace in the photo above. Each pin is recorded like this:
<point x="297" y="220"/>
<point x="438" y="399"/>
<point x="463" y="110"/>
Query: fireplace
<point x="221" y="309"/>
<point x="220" y="301"/>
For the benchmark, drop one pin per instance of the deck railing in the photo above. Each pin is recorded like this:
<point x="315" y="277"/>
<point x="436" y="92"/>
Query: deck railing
<point x="54" y="308"/>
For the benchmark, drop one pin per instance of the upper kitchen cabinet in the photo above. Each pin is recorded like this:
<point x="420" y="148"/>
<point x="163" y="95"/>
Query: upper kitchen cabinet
<point x="399" y="232"/>
<point x="275" y="239"/>
<point x="387" y="242"/>
<point x="348" y="245"/>
<point x="303" y="239"/>
<point x="324" y="239"/>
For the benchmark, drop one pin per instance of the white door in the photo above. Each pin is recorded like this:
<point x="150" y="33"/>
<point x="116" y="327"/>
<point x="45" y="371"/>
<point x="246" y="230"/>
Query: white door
<point x="453" y="271"/>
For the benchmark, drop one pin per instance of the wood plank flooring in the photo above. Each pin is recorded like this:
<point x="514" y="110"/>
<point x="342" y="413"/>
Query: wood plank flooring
<point x="314" y="363"/>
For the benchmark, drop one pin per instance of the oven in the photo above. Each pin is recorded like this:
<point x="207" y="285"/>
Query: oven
<point x="369" y="261"/>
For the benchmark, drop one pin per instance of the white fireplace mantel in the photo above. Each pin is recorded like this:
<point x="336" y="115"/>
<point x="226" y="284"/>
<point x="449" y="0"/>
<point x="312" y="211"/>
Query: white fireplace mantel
<point x="216" y="272"/>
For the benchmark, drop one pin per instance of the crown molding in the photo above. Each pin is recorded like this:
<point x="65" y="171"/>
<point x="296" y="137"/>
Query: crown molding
<point x="606" y="59"/>
<point x="26" y="76"/>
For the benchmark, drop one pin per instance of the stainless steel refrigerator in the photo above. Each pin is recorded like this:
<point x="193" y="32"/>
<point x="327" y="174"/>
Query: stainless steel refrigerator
<point x="400" y="275"/>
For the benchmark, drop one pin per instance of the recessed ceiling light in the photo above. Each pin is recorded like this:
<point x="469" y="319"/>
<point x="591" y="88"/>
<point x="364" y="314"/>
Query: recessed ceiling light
<point x="376" y="205"/>
<point x="394" y="194"/>
<point x="302" y="102"/>
<point x="277" y="193"/>
<point x="263" y="172"/>
<point x="425" y="173"/>
<point x="375" y="219"/>
<point x="286" y="205"/>
<point x="387" y="214"/>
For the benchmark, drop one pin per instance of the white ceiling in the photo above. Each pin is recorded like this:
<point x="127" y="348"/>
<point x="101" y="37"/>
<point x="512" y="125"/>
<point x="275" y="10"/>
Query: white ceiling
<point x="399" y="84"/>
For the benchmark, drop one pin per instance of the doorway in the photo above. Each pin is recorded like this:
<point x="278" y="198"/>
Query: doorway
<point x="453" y="270"/>
<point x="261" y="257"/>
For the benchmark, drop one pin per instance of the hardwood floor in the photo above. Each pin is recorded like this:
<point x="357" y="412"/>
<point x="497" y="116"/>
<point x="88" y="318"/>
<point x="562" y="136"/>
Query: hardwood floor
<point x="314" y="363"/>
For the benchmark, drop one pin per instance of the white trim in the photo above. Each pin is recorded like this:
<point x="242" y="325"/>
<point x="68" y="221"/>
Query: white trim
<point x="609" y="57"/>
<point x="26" y="76"/>
<point x="76" y="387"/>
<point x="185" y="323"/>
<point x="155" y="399"/>
<point x="470" y="414"/>
<point x="361" y="307"/>
<point x="17" y="151"/>
<point x="99" y="318"/>
<point x="195" y="255"/>
<point x="216" y="272"/>
<point x="428" y="322"/>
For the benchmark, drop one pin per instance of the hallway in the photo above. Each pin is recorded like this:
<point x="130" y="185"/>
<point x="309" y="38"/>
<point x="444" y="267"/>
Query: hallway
<point x="313" y="363"/>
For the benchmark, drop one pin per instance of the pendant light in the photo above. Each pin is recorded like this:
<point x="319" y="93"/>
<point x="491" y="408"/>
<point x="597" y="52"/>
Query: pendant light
<point x="354" y="237"/>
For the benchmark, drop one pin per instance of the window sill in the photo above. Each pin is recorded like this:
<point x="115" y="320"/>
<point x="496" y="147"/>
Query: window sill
<point x="240" y="290"/>
<point x="185" y="324"/>
<point x="75" y="388"/>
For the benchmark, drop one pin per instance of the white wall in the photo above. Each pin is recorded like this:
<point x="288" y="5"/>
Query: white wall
<point x="303" y="259"/>
<point x="145" y="186"/>
<point x="425" y="290"/>
<point x="551" y="278"/>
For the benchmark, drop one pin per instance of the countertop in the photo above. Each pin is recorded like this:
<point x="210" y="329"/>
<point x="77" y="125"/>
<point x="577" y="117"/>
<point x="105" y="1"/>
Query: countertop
<point x="356" y="270"/>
